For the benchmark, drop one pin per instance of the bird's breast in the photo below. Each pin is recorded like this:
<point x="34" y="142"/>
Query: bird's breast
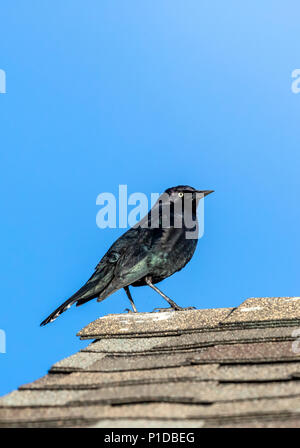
<point x="172" y="253"/>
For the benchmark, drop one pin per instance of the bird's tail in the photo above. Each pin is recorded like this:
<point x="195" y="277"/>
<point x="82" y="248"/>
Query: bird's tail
<point x="84" y="294"/>
<point x="58" y="312"/>
<point x="97" y="284"/>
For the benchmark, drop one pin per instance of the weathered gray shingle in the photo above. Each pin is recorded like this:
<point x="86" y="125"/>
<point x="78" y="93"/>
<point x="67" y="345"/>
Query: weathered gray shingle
<point x="268" y="311"/>
<point x="217" y="414"/>
<point x="151" y="324"/>
<point x="265" y="372"/>
<point x="189" y="341"/>
<point x="248" y="353"/>
<point x="228" y="367"/>
<point x="94" y="380"/>
<point x="78" y="361"/>
<point x="177" y="392"/>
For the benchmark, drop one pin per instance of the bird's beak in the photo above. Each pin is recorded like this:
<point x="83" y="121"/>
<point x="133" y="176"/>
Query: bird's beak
<point x="204" y="192"/>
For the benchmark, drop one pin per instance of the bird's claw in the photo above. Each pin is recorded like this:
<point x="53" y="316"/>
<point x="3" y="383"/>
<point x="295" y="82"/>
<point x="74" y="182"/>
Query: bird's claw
<point x="188" y="308"/>
<point x="129" y="311"/>
<point x="159" y="310"/>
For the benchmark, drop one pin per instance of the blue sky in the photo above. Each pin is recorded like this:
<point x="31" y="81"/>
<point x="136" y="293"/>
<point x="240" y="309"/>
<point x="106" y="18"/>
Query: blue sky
<point x="150" y="94"/>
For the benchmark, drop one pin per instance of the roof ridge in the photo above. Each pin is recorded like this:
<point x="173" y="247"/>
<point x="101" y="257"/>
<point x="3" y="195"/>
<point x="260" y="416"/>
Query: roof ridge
<point x="251" y="313"/>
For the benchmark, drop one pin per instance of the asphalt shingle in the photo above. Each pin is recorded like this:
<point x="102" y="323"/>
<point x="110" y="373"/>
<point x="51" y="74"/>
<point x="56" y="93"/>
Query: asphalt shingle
<point x="78" y="361"/>
<point x="228" y="367"/>
<point x="178" y="392"/>
<point x="91" y="380"/>
<point x="248" y="353"/>
<point x="268" y="311"/>
<point x="153" y="324"/>
<point x="110" y="363"/>
<point x="189" y="341"/>
<point x="217" y="414"/>
<point x="235" y="373"/>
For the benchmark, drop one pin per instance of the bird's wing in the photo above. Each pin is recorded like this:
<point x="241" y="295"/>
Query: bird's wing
<point x="124" y="263"/>
<point x="101" y="278"/>
<point x="119" y="262"/>
<point x="132" y="263"/>
<point x="105" y="269"/>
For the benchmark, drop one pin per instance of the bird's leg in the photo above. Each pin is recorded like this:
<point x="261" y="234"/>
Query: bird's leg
<point x="126" y="288"/>
<point x="171" y="302"/>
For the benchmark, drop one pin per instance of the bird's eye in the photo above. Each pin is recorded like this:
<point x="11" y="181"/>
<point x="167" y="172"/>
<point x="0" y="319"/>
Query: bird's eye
<point x="180" y="195"/>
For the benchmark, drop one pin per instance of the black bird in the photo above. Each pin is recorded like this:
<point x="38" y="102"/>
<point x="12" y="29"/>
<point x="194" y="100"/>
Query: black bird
<point x="161" y="244"/>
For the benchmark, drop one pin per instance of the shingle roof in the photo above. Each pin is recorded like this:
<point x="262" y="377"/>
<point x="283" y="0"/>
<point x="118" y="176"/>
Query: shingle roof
<point x="228" y="367"/>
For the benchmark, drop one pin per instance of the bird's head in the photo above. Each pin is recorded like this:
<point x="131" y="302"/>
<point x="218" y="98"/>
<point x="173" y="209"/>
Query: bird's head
<point x="175" y="205"/>
<point x="186" y="193"/>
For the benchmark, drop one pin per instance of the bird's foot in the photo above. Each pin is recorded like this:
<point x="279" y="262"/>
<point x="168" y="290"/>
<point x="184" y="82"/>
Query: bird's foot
<point x="188" y="308"/>
<point x="179" y="308"/>
<point x="160" y="310"/>
<point x="129" y="311"/>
